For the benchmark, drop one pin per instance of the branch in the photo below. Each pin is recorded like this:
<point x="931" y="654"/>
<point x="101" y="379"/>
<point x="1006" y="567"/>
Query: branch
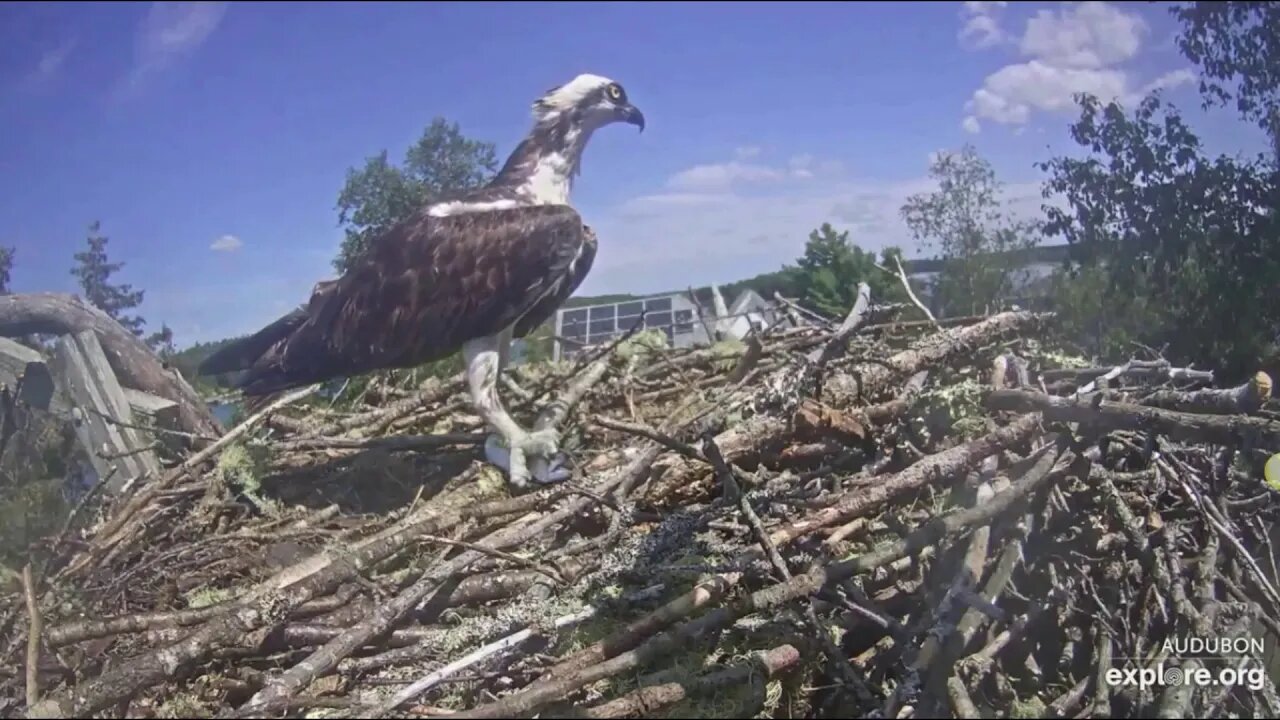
<point x="1124" y="416"/>
<point x="34" y="631"/>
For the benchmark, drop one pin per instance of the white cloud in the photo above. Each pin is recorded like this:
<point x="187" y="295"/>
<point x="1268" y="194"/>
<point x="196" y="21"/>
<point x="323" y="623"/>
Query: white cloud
<point x="672" y="239"/>
<point x="721" y="176"/>
<point x="801" y="166"/>
<point x="226" y="243"/>
<point x="169" y="32"/>
<point x="1081" y="48"/>
<point x="746" y="152"/>
<point x="1086" y="35"/>
<point x="53" y="60"/>
<point x="50" y="64"/>
<point x="981" y="28"/>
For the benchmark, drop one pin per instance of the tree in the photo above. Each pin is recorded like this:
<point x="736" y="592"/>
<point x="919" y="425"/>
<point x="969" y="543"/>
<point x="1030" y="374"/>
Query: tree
<point x="826" y="277"/>
<point x="963" y="221"/>
<point x="379" y="195"/>
<point x="6" y="269"/>
<point x="94" y="272"/>
<point x="161" y="342"/>
<point x="1183" y="248"/>
<point x="1237" y="47"/>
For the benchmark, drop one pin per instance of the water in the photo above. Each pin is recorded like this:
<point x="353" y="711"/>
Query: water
<point x="224" y="412"/>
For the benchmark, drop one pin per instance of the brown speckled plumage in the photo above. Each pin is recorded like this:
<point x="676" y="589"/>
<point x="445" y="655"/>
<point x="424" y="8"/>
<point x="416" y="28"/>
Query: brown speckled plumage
<point x="423" y="289"/>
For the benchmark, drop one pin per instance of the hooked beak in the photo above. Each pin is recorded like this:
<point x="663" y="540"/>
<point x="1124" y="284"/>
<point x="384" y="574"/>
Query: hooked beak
<point x="631" y="114"/>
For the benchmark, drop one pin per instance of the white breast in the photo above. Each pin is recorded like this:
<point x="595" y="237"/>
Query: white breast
<point x="550" y="181"/>
<point x="458" y="207"/>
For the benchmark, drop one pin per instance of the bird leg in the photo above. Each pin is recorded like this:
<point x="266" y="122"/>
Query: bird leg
<point x="483" y="360"/>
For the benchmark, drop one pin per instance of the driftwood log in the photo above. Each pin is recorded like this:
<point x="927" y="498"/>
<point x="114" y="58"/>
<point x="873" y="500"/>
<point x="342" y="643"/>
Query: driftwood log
<point x="133" y="362"/>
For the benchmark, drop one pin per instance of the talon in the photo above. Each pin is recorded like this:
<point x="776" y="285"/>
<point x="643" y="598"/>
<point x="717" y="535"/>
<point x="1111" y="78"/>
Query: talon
<point x="546" y="471"/>
<point x="526" y="457"/>
<point x="543" y="443"/>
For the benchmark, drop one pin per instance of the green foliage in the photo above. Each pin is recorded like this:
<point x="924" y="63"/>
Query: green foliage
<point x="37" y="458"/>
<point x="93" y="271"/>
<point x="1237" y="48"/>
<point x="1103" y="321"/>
<point x="954" y="410"/>
<point x="379" y="195"/>
<point x="963" y="222"/>
<point x="826" y="277"/>
<point x="161" y="341"/>
<point x="1184" y="248"/>
<point x="6" y="269"/>
<point x="765" y="285"/>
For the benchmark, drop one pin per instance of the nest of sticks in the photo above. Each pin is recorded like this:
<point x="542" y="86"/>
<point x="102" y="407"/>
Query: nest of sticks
<point x="878" y="517"/>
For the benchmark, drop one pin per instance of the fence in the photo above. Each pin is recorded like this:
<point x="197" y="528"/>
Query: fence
<point x="111" y="422"/>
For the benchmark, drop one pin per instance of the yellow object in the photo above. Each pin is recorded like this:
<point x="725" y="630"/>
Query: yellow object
<point x="1271" y="471"/>
<point x="1262" y="381"/>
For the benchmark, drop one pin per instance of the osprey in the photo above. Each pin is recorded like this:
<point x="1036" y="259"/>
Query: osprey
<point x="472" y="271"/>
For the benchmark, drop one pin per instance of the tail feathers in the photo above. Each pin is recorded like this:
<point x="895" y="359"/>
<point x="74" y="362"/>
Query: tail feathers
<point x="243" y="353"/>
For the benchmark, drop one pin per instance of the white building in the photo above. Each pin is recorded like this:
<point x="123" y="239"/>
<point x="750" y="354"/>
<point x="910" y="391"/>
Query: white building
<point x="676" y="314"/>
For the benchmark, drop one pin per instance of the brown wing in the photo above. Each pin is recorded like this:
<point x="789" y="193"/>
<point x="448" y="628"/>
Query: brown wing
<point x="422" y="290"/>
<point x="547" y="307"/>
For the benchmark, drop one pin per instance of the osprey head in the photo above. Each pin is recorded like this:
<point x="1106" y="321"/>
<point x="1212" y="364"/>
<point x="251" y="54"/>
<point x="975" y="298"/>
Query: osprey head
<point x="592" y="100"/>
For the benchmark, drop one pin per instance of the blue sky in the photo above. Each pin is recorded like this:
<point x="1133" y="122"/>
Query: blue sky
<point x="211" y="139"/>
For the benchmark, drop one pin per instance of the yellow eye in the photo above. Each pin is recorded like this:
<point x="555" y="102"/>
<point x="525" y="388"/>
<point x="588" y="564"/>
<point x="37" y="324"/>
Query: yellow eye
<point x="615" y="92"/>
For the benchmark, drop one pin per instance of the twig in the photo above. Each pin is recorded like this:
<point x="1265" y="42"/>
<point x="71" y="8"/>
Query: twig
<point x="278" y="691"/>
<point x="644" y="431"/>
<point x="650" y="698"/>
<point x="34" y="631"/>
<point x="493" y="648"/>
<point x="493" y="552"/>
<point x="906" y="285"/>
<point x="479" y="654"/>
<point x="527" y="701"/>
<point x="395" y="442"/>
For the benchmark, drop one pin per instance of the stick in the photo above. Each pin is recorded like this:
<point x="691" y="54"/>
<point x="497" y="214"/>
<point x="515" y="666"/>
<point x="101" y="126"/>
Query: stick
<point x="646" y="700"/>
<point x="494" y="552"/>
<point x="906" y="285"/>
<point x="269" y="605"/>
<point x="1107" y="415"/>
<point x="33" y="638"/>
<point x="479" y="654"/>
<point x="526" y="702"/>
<point x="279" y="690"/>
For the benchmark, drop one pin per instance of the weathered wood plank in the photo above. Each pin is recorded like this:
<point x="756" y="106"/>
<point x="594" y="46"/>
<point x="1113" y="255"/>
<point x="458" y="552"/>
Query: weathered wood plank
<point x="24" y="369"/>
<point x="155" y="409"/>
<point x="93" y="394"/>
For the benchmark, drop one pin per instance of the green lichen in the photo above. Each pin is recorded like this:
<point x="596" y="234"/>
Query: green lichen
<point x="1033" y="707"/>
<point x="183" y="706"/>
<point x="206" y="597"/>
<point x="242" y="467"/>
<point x="725" y="354"/>
<point x="1062" y="360"/>
<point x="644" y="344"/>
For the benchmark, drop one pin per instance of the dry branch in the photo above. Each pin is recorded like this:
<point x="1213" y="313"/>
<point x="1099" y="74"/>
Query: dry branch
<point x="1106" y="415"/>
